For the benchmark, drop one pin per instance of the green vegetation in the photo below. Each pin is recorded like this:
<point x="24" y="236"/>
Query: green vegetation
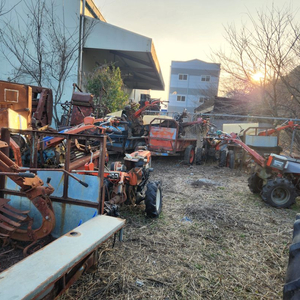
<point x="106" y="84"/>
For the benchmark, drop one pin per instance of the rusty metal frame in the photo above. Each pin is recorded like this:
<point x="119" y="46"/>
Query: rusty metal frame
<point x="256" y="156"/>
<point x="33" y="103"/>
<point x="177" y="141"/>
<point x="67" y="271"/>
<point x="36" y="137"/>
<point x="256" y="133"/>
<point x="168" y="126"/>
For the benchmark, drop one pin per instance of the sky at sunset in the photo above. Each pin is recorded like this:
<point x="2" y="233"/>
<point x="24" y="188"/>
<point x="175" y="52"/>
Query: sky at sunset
<point x="183" y="30"/>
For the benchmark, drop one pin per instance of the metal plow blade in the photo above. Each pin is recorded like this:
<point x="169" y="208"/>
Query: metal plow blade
<point x="10" y="219"/>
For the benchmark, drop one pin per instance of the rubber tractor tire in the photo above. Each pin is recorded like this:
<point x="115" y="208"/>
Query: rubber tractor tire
<point x="279" y="192"/>
<point x="255" y="183"/>
<point x="230" y="159"/>
<point x="223" y="159"/>
<point x="153" y="199"/>
<point x="189" y="155"/>
<point x="199" y="159"/>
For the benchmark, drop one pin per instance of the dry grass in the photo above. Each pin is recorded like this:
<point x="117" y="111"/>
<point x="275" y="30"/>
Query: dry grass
<point x="212" y="241"/>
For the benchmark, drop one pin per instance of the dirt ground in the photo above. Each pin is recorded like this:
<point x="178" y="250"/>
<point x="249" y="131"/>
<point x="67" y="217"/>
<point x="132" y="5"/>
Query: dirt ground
<point x="213" y="240"/>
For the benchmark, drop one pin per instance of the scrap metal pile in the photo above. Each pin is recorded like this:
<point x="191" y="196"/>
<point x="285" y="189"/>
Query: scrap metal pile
<point x="73" y="160"/>
<point x="77" y="154"/>
<point x="32" y="153"/>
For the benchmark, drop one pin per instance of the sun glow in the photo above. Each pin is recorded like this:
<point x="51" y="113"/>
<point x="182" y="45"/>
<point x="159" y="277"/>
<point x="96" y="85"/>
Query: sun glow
<point x="258" y="76"/>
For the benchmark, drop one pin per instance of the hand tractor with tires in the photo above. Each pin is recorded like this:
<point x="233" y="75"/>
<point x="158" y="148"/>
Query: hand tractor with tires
<point x="276" y="179"/>
<point x="215" y="149"/>
<point x="264" y="140"/>
<point x="129" y="183"/>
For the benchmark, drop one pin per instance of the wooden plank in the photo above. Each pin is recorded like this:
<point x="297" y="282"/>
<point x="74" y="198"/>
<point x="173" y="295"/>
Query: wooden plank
<point x="43" y="268"/>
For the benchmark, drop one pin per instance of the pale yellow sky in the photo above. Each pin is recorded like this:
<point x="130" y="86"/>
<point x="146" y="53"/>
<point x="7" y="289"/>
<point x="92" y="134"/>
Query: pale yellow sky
<point x="183" y="30"/>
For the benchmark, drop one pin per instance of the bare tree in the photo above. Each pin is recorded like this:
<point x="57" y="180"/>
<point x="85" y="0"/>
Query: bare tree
<point x="203" y="94"/>
<point x="3" y="11"/>
<point x="269" y="43"/>
<point x="40" y="47"/>
<point x="2" y="4"/>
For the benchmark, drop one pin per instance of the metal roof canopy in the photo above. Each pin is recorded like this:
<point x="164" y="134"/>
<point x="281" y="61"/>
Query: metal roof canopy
<point x="134" y="54"/>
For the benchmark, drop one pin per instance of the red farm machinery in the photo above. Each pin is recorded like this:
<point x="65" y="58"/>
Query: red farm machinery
<point x="41" y="200"/>
<point x="276" y="177"/>
<point x="75" y="210"/>
<point x="70" y="210"/>
<point x="173" y="137"/>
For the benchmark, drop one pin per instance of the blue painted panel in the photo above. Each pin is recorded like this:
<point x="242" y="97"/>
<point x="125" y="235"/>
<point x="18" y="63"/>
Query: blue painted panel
<point x="67" y="216"/>
<point x="24" y="203"/>
<point x="11" y="185"/>
<point x="57" y="181"/>
<point x="77" y="191"/>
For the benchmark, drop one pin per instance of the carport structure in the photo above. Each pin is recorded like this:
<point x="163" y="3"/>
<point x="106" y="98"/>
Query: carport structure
<point x="134" y="54"/>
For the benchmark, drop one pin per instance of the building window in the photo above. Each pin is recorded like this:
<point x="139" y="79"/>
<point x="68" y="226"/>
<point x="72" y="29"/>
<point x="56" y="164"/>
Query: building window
<point x="205" y="78"/>
<point x="203" y="99"/>
<point x="180" y="98"/>
<point x="182" y="76"/>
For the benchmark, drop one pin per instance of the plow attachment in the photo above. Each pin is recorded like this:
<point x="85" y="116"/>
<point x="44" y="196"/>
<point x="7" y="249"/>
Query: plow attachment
<point x="11" y="219"/>
<point x="16" y="224"/>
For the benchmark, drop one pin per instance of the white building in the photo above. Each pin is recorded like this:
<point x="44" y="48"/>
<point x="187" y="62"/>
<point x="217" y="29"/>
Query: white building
<point x="77" y="21"/>
<point x="191" y="84"/>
